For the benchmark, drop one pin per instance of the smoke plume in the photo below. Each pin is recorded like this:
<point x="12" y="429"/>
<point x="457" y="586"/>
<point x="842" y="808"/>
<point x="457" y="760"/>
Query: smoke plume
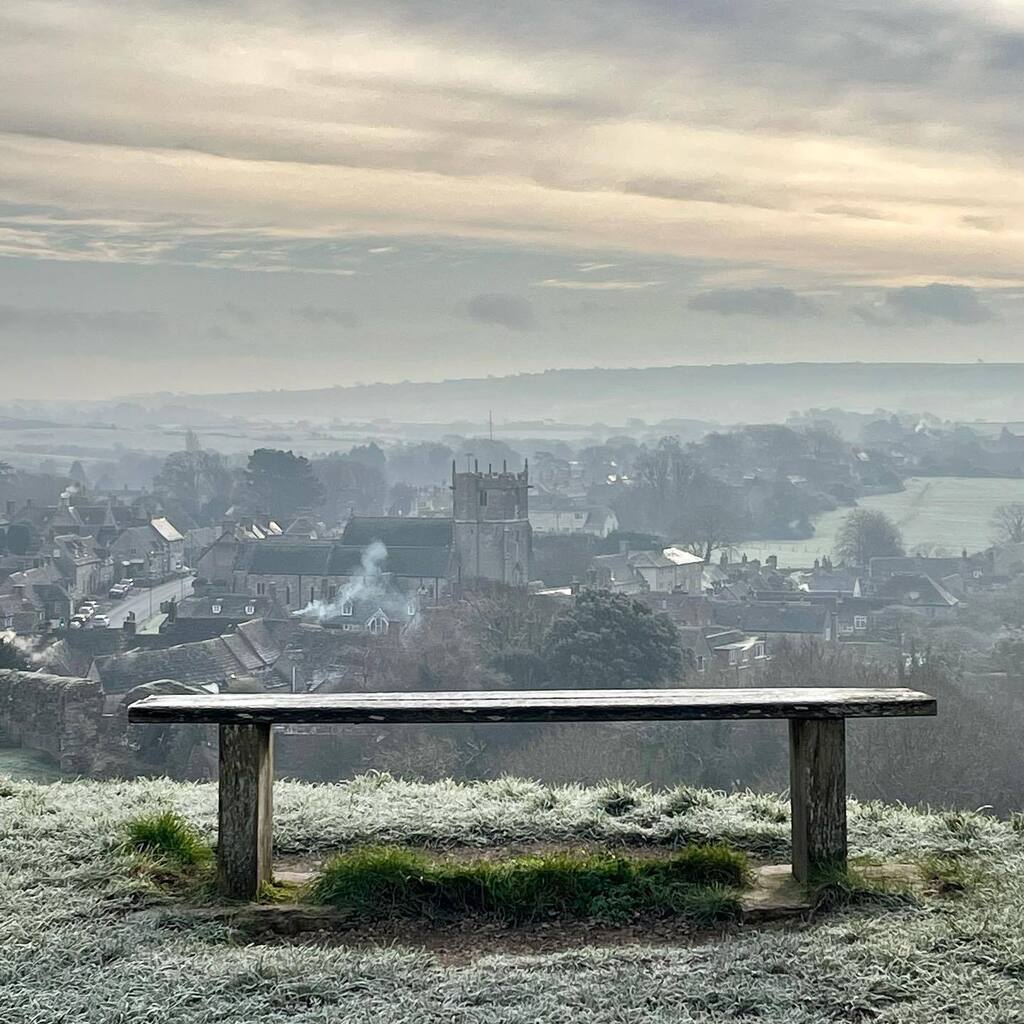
<point x="367" y="584"/>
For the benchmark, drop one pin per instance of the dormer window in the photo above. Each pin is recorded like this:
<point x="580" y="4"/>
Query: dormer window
<point x="412" y="609"/>
<point x="346" y="607"/>
<point x="250" y="609"/>
<point x="215" y="608"/>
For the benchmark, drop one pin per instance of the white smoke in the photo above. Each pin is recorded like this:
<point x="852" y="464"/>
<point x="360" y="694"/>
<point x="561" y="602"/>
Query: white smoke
<point x="366" y="584"/>
<point x="26" y="648"/>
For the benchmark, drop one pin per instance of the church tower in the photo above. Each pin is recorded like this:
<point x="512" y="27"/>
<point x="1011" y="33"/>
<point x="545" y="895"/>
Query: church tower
<point x="493" y="538"/>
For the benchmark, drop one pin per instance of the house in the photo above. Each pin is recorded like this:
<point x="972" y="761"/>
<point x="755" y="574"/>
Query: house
<point x="82" y="570"/>
<point x="154" y="550"/>
<point x="796" y="620"/>
<point x="633" y="572"/>
<point x="682" y="608"/>
<point x="714" y="648"/>
<point x="252" y="650"/>
<point x="919" y="593"/>
<point x="828" y="581"/>
<point x="34" y="601"/>
<point x="202" y="617"/>
<point x="372" y="605"/>
<point x="567" y="517"/>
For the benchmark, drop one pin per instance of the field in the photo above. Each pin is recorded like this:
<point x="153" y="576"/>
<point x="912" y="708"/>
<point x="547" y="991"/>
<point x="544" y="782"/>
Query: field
<point x="939" y="514"/>
<point x="80" y="940"/>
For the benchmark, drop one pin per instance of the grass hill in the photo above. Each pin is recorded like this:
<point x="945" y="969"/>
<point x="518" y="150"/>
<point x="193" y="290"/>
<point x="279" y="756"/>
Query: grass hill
<point x="79" y="939"/>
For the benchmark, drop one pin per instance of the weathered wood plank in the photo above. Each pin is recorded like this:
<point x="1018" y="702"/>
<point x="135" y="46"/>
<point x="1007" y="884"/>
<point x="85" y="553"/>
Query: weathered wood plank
<point x="245" y="839"/>
<point x="817" y="786"/>
<point x="537" y="706"/>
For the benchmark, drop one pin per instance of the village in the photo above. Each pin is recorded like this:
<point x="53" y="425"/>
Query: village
<point x="316" y="577"/>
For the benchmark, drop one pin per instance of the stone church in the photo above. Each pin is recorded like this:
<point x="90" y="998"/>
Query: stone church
<point x="488" y="537"/>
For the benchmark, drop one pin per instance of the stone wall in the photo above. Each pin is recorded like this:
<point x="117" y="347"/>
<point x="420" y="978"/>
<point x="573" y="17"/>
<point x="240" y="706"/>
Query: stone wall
<point x="60" y="716"/>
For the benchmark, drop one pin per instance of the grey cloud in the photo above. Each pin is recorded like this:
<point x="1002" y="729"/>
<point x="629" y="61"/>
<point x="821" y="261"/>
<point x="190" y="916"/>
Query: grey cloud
<point x="49" y="322"/>
<point x="320" y="315"/>
<point x="921" y="304"/>
<point x="700" y="191"/>
<point x="239" y="313"/>
<point x="512" y="311"/>
<point x="982" y="223"/>
<point x="764" y="302"/>
<point x="858" y="212"/>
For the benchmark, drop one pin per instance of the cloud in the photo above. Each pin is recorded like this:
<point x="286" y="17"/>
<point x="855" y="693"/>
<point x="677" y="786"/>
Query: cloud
<point x="54" y="322"/>
<point x="321" y="315"/>
<point x="922" y="304"/>
<point x="763" y="302"/>
<point x="596" y="286"/>
<point x="511" y="311"/>
<point x="244" y="316"/>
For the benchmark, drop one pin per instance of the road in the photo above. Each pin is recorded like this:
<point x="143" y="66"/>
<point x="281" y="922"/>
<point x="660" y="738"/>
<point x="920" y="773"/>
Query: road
<point x="146" y="603"/>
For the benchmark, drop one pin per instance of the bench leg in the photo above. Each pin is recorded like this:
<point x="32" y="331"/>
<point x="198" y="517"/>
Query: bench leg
<point x="817" y="787"/>
<point x="245" y="839"/>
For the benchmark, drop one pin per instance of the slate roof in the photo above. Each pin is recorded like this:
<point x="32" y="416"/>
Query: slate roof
<point x="935" y="567"/>
<point x="772" y="617"/>
<point x="398" y="531"/>
<point x="208" y="661"/>
<point x="279" y="558"/>
<point x="317" y="558"/>
<point x="914" y="590"/>
<point x="232" y="607"/>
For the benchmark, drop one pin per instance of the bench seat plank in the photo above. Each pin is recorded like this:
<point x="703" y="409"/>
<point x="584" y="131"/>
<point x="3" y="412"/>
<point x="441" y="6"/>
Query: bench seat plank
<point x="617" y="705"/>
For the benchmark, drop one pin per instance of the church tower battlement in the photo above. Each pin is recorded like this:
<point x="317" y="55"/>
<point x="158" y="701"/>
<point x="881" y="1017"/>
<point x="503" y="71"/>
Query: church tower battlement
<point x="492" y="533"/>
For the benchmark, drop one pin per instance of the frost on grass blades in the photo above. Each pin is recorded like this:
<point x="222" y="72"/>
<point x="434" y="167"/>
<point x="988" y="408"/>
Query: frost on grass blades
<point x="77" y="942"/>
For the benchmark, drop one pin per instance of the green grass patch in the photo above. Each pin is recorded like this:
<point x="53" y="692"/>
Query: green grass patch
<point x="699" y="883"/>
<point x="167" y="837"/>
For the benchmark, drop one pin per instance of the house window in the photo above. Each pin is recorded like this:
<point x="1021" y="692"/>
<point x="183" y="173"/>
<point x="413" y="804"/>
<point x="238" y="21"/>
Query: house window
<point x="860" y="622"/>
<point x="250" y="609"/>
<point x="734" y="657"/>
<point x="412" y="609"/>
<point x="288" y="596"/>
<point x="759" y="651"/>
<point x="312" y="594"/>
<point x="215" y="608"/>
<point x="261" y="589"/>
<point x="845" y="627"/>
<point x="377" y="625"/>
<point x="483" y="497"/>
<point x="701" y="663"/>
<point x="332" y="593"/>
<point x="346" y="607"/>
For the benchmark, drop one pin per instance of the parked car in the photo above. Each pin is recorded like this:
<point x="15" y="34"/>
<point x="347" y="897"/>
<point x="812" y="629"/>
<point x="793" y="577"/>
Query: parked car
<point x="100" y="622"/>
<point x="117" y="590"/>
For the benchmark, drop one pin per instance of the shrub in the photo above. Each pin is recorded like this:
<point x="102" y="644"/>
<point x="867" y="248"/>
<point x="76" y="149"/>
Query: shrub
<point x="167" y="837"/>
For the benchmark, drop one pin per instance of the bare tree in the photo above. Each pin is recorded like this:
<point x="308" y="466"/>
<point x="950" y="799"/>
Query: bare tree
<point x="867" y="534"/>
<point x="1008" y="523"/>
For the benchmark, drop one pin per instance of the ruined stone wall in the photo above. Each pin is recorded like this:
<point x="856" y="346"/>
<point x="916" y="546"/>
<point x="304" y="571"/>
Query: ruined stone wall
<point x="57" y="715"/>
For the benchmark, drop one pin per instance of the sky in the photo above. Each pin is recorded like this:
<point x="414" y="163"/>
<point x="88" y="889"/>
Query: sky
<point x="210" y="196"/>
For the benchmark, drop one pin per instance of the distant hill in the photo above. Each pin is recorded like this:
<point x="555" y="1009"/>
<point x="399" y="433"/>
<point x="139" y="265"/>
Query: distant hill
<point x="724" y="393"/>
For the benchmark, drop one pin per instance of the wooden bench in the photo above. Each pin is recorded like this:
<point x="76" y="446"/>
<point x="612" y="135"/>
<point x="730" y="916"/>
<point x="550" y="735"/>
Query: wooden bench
<point x="817" y="747"/>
